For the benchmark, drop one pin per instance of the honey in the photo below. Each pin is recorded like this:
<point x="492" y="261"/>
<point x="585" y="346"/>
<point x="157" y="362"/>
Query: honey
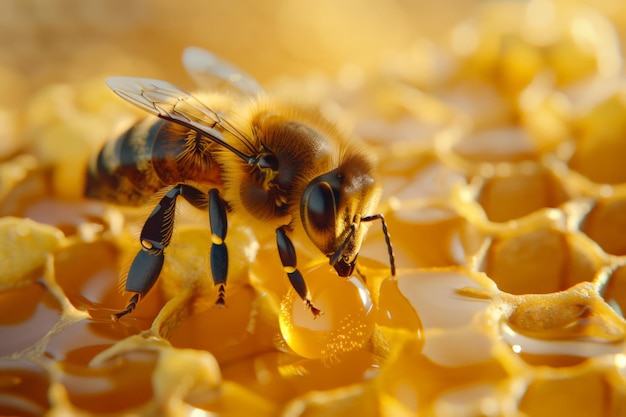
<point x="500" y="156"/>
<point x="346" y="322"/>
<point x="24" y="388"/>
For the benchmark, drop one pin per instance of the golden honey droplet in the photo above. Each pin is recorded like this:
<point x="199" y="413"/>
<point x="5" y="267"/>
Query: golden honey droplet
<point x="346" y="322"/>
<point x="394" y="310"/>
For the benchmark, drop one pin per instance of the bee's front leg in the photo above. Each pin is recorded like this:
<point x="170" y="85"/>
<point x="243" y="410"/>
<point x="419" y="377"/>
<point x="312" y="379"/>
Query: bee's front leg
<point x="287" y="254"/>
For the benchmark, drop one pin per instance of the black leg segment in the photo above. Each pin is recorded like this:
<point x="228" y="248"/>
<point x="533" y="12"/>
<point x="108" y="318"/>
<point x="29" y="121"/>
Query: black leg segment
<point x="287" y="254"/>
<point x="157" y="230"/>
<point x="219" y="251"/>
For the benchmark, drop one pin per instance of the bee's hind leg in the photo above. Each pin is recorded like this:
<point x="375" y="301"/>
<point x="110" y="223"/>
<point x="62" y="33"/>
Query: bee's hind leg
<point x="287" y="254"/>
<point x="142" y="275"/>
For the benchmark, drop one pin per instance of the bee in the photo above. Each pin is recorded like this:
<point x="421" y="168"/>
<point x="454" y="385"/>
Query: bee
<point x="279" y="164"/>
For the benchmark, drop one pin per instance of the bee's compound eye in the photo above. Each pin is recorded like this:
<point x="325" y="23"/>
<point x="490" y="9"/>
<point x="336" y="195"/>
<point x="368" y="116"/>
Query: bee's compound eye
<point x="320" y="207"/>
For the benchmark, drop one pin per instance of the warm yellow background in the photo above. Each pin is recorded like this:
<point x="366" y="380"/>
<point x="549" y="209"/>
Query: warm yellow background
<point x="70" y="40"/>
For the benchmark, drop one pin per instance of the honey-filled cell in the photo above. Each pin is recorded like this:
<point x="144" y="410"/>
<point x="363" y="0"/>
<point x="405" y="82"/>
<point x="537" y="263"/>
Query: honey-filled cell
<point x="542" y="260"/>
<point x="599" y="149"/>
<point x="282" y="377"/>
<point x="23" y="388"/>
<point x="584" y="394"/>
<point x="413" y="382"/>
<point x="26" y="315"/>
<point x="245" y="326"/>
<point x="81" y="342"/>
<point x="513" y="196"/>
<point x="446" y="237"/>
<point x="504" y="165"/>
<point x="89" y="275"/>
<point x="605" y="222"/>
<point x="122" y="383"/>
<point x="85" y="278"/>
<point x="578" y="319"/>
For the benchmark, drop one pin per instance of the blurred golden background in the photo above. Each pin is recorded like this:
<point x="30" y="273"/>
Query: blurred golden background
<point x="71" y="40"/>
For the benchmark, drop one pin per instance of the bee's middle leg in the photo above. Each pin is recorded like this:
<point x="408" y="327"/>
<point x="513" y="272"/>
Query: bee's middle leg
<point x="218" y="222"/>
<point x="219" y="251"/>
<point x="287" y="254"/>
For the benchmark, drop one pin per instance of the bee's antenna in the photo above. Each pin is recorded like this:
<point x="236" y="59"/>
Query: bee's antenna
<point x="392" y="259"/>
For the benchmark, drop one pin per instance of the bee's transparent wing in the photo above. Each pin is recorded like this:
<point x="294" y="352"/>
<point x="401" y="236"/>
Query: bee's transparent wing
<point x="169" y="102"/>
<point x="211" y="73"/>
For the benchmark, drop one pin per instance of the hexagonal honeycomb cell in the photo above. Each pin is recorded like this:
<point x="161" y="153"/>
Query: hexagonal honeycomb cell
<point x="499" y="146"/>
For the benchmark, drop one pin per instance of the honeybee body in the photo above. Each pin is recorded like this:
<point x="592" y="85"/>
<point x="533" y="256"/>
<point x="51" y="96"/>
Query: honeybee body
<point x="132" y="168"/>
<point x="283" y="166"/>
<point x="156" y="154"/>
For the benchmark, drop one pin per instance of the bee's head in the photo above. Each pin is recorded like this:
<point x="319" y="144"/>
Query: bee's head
<point x="332" y="207"/>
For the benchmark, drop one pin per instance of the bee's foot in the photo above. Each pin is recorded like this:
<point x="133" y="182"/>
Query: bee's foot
<point x="132" y="303"/>
<point x="316" y="311"/>
<point x="221" y="296"/>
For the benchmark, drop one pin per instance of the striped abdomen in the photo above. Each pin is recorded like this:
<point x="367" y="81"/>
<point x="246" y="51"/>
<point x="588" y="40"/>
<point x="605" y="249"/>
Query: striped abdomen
<point x="148" y="157"/>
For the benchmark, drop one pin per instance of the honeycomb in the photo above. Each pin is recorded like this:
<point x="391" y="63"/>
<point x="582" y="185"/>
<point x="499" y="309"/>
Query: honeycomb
<point x="499" y="130"/>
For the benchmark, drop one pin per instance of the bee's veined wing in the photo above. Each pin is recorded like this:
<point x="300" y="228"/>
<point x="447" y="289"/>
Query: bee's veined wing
<point x="169" y="102"/>
<point x="212" y="73"/>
